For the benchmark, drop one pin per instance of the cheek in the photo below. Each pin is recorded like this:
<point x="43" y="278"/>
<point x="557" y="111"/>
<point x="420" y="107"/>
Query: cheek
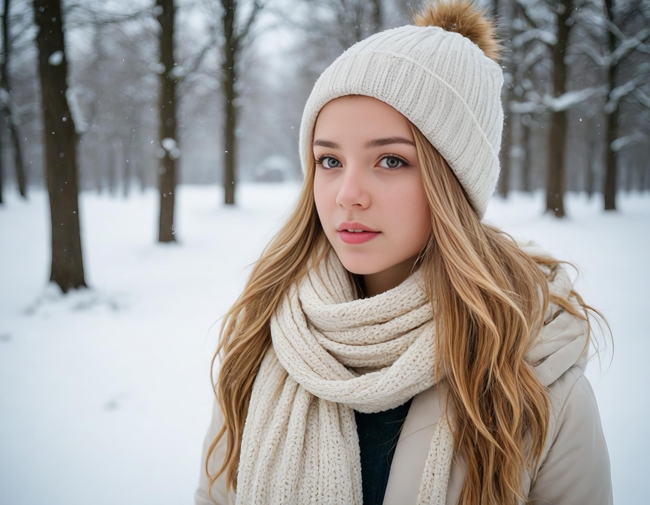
<point x="411" y="217"/>
<point x="322" y="198"/>
<point x="423" y="219"/>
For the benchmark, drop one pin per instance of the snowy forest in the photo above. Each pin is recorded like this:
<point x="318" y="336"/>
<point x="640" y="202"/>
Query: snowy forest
<point x="149" y="152"/>
<point x="138" y="95"/>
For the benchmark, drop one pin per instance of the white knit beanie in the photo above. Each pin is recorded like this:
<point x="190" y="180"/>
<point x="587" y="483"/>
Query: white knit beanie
<point x="439" y="80"/>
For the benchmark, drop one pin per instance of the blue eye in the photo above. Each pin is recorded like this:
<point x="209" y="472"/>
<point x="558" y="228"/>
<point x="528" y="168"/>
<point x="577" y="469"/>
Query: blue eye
<point x="328" y="162"/>
<point x="392" y="162"/>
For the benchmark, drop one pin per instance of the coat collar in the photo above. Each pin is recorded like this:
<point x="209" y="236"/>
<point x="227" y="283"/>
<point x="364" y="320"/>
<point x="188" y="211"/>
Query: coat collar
<point x="413" y="448"/>
<point x="424" y="412"/>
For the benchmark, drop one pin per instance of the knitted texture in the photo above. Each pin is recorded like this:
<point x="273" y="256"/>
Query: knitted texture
<point x="440" y="81"/>
<point x="331" y="354"/>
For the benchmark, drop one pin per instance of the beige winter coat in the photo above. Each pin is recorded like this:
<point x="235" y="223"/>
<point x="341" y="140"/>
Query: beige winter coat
<point x="574" y="469"/>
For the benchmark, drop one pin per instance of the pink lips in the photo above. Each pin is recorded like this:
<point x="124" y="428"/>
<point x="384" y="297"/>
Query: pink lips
<point x="360" y="235"/>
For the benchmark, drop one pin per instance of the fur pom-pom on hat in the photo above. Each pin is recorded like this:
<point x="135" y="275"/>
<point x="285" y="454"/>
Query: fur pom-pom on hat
<point x="441" y="75"/>
<point x="462" y="17"/>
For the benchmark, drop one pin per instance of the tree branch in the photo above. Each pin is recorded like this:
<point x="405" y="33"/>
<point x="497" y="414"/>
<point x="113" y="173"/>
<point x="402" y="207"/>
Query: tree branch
<point x="542" y="35"/>
<point x="257" y="7"/>
<point x="643" y="99"/>
<point x="608" y="25"/>
<point x="92" y="17"/>
<point x="537" y="104"/>
<point x="531" y="58"/>
<point x="624" y="142"/>
<point x="629" y="45"/>
<point x="182" y="72"/>
<point x="596" y="57"/>
<point x="523" y="9"/>
<point x="617" y="94"/>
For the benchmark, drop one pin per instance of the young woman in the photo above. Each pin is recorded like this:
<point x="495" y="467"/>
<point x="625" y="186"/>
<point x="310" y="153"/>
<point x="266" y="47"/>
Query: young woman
<point x="389" y="347"/>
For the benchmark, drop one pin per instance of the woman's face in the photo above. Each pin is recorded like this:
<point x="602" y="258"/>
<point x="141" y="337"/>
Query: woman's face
<point x="368" y="190"/>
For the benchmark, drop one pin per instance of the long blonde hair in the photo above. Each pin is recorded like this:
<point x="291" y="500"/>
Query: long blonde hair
<point x="488" y="311"/>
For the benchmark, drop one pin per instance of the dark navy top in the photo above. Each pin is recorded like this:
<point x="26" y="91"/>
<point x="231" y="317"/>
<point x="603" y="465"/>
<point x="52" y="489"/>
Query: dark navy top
<point x="378" y="436"/>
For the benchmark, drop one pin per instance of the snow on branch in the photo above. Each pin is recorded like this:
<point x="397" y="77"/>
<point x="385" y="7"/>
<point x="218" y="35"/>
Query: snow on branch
<point x="531" y="58"/>
<point x="597" y="58"/>
<point x="640" y="95"/>
<point x="618" y="93"/>
<point x="606" y="23"/>
<point x="571" y="98"/>
<point x="80" y="124"/>
<point x="626" y="45"/>
<point x="623" y="142"/>
<point x="526" y="8"/>
<point x="529" y="107"/>
<point x="555" y="104"/>
<point x="535" y="34"/>
<point x="589" y="20"/>
<point x="629" y="45"/>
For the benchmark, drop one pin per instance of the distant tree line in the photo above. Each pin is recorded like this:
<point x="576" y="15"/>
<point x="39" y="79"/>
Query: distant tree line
<point x="108" y="97"/>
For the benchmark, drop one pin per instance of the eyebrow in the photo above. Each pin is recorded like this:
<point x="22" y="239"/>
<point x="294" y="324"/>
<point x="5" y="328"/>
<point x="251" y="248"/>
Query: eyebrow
<point x="369" y="144"/>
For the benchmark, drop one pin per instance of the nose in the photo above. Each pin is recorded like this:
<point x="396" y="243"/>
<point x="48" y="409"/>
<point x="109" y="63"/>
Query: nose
<point x="353" y="191"/>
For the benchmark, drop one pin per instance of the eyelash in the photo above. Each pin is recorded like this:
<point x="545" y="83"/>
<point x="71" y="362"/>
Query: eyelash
<point x="320" y="160"/>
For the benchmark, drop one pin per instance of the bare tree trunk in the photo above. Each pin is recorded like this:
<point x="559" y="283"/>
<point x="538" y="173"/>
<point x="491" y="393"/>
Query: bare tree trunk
<point x="556" y="173"/>
<point x="234" y="40"/>
<point x="611" y="121"/>
<point x="1" y="164"/>
<point x="99" y="178"/>
<point x="525" y="156"/>
<point x="591" y="160"/>
<point x="555" y="176"/>
<point x="507" y="140"/>
<point x="140" y="175"/>
<point x="229" y="72"/>
<point x="112" y="167"/>
<point x="18" y="159"/>
<point x="628" y="170"/>
<point x="408" y="8"/>
<point x="60" y="147"/>
<point x="506" y="149"/>
<point x="4" y="83"/>
<point x="611" y="162"/>
<point x="126" y="176"/>
<point x="167" y="128"/>
<point x="377" y="16"/>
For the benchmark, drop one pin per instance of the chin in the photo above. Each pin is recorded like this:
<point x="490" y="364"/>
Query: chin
<point x="359" y="266"/>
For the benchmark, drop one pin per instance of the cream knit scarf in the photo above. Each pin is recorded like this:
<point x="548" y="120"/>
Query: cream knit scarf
<point x="331" y="354"/>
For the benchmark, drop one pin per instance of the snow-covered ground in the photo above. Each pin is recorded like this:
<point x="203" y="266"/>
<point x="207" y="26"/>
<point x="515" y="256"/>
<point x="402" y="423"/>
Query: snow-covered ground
<point x="105" y="395"/>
